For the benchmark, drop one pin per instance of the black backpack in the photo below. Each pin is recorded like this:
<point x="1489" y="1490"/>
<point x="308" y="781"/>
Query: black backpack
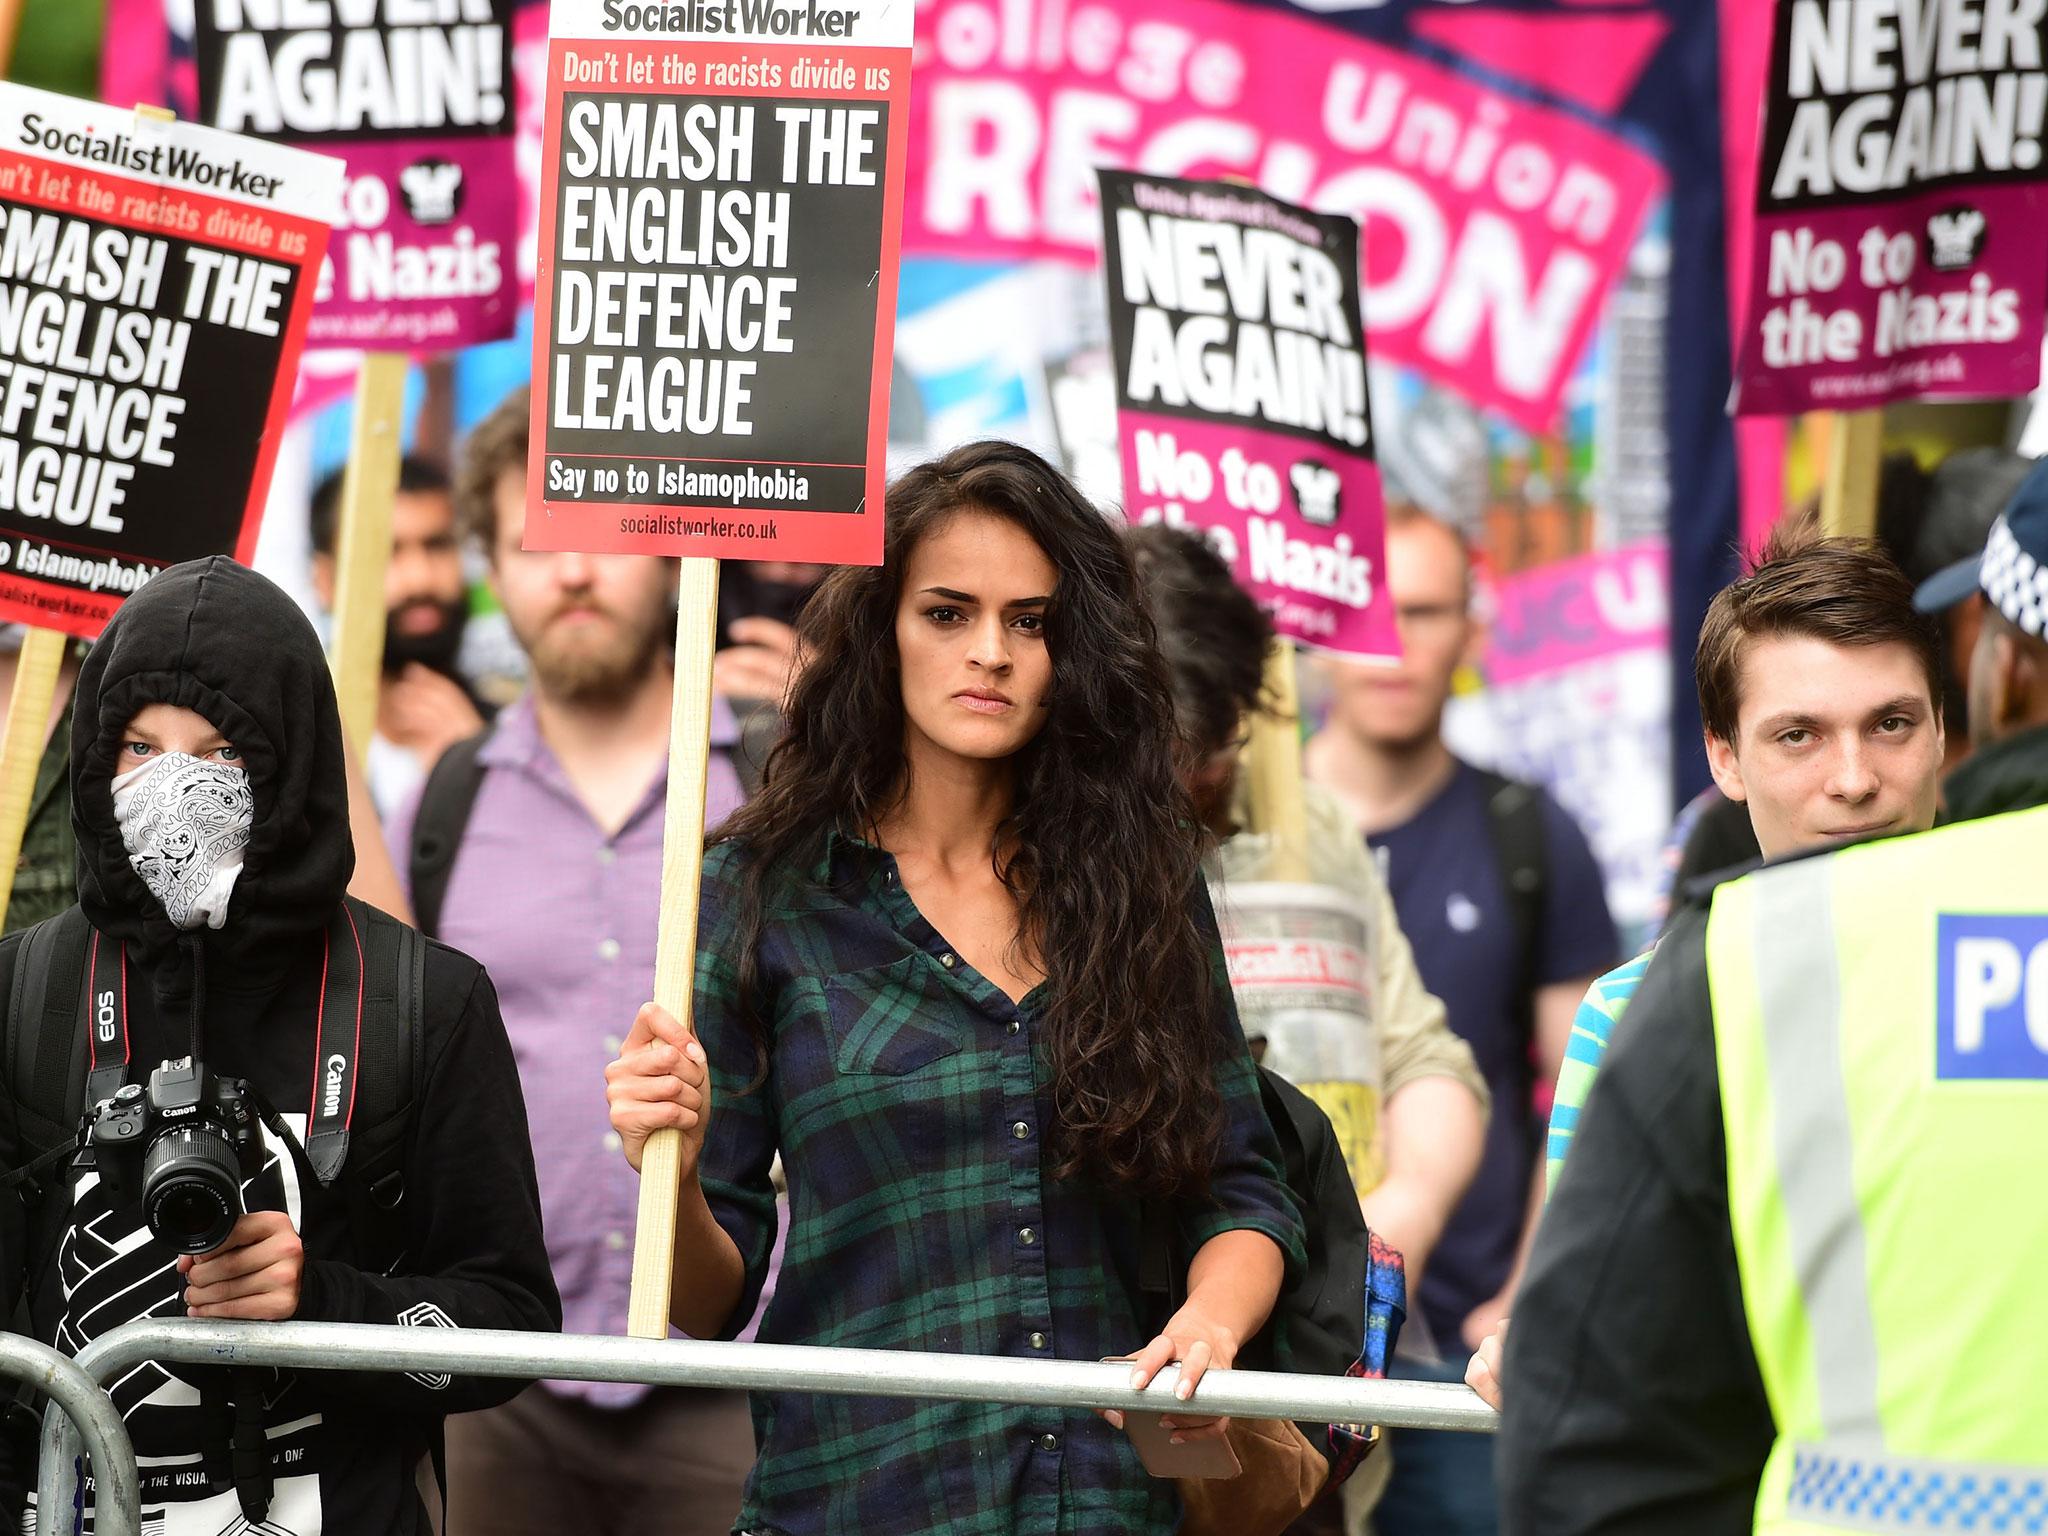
<point x="1514" y="820"/>
<point x="1343" y="1316"/>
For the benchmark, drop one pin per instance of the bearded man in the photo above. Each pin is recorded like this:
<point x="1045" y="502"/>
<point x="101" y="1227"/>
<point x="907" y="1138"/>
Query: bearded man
<point x="537" y="848"/>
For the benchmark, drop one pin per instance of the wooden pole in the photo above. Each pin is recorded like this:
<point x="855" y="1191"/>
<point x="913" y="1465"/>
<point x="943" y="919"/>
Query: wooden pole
<point x="675" y="951"/>
<point x="363" y="545"/>
<point x="1273" y="762"/>
<point x="22" y="741"/>
<point x="10" y="29"/>
<point x="1848" y="498"/>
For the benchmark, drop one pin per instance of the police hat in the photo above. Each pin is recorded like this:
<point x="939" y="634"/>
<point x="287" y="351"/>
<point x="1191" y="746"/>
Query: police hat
<point x="2012" y="572"/>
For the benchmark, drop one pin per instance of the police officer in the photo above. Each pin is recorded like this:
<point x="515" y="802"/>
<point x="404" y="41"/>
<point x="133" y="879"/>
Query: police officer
<point x="1789" y="1280"/>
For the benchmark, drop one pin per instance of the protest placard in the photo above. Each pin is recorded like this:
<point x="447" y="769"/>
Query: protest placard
<point x="1241" y="398"/>
<point x="155" y="282"/>
<point x="716" y="295"/>
<point x="722" y="183"/>
<point x="417" y="97"/>
<point x="1900" y="202"/>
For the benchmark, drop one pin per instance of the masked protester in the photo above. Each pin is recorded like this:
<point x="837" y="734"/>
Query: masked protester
<point x="208" y="961"/>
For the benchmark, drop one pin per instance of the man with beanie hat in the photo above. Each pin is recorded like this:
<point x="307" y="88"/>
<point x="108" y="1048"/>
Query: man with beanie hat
<point x="2009" y="662"/>
<point x="210" y="807"/>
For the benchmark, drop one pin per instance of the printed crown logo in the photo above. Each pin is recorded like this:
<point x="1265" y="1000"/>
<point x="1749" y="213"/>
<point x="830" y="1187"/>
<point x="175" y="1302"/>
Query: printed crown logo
<point x="433" y="190"/>
<point x="1954" y="237"/>
<point x="1318" y="491"/>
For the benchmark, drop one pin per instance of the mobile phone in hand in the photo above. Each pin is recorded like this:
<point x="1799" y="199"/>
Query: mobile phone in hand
<point x="1193" y="1458"/>
<point x="1162" y="1458"/>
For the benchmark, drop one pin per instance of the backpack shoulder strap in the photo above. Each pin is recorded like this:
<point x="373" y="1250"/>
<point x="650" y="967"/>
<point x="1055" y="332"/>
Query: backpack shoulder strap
<point x="43" y="1049"/>
<point x="388" y="1079"/>
<point x="1514" y="817"/>
<point x="45" y="1044"/>
<point x="446" y="800"/>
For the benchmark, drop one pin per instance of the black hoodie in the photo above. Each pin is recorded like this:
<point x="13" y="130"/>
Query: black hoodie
<point x="216" y="638"/>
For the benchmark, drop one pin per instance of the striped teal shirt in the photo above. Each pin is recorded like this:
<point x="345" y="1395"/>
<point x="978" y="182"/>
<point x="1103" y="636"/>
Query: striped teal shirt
<point x="1592" y="1026"/>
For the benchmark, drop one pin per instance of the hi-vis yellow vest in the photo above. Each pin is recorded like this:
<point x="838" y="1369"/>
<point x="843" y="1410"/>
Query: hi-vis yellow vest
<point x="1881" y="1025"/>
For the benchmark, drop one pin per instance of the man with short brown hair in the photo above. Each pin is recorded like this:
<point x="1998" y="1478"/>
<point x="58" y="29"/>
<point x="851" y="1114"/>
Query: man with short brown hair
<point x="1819" y="685"/>
<point x="1820" y="691"/>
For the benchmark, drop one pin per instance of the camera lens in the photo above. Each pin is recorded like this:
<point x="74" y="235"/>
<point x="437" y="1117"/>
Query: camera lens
<point x="191" y="1188"/>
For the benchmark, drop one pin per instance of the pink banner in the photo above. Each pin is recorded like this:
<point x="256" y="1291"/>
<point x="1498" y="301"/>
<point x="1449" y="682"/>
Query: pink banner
<point x="1494" y="227"/>
<point x="1269" y="504"/>
<point x="1558" y="616"/>
<point x="420" y="261"/>
<point x="1900" y="194"/>
<point x="1241" y="397"/>
<point x="1940" y="295"/>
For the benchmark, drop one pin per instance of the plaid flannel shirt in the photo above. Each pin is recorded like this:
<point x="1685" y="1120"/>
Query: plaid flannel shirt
<point x="905" y="1097"/>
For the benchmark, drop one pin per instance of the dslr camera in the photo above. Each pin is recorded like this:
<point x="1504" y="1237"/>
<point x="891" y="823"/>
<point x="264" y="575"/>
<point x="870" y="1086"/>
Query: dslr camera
<point x="181" y="1149"/>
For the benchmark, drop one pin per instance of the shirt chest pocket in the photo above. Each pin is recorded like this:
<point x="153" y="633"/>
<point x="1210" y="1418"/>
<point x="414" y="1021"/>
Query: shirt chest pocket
<point x="892" y="1021"/>
<point x="891" y="1098"/>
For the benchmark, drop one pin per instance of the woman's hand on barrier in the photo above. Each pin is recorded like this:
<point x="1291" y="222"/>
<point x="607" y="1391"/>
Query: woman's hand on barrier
<point x="1200" y="1344"/>
<point x="253" y="1276"/>
<point x="661" y="1081"/>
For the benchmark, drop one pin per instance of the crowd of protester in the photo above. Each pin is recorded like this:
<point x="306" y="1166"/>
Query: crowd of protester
<point x="960" y="1024"/>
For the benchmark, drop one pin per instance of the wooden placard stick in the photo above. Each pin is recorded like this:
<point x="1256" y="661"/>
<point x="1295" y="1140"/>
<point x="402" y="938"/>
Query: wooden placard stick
<point x="1273" y="762"/>
<point x="1848" y="497"/>
<point x="22" y="741"/>
<point x="10" y="28"/>
<point x="362" y="547"/>
<point x="675" y="950"/>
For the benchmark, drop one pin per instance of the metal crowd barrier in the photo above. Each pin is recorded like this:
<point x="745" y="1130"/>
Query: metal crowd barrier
<point x="82" y="1407"/>
<point x="760" y="1367"/>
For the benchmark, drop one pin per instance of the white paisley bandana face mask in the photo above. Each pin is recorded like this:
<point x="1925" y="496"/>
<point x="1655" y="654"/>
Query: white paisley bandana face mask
<point x="185" y="823"/>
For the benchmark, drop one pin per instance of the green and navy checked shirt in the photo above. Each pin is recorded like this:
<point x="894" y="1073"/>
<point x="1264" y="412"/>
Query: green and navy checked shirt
<point x="904" y="1096"/>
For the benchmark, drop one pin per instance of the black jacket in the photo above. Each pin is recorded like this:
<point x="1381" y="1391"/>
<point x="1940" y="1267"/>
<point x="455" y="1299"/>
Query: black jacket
<point x="218" y="639"/>
<point x="2010" y="775"/>
<point x="1633" y="1400"/>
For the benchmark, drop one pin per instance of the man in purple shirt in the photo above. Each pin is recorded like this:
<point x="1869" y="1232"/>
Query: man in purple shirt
<point x="555" y="886"/>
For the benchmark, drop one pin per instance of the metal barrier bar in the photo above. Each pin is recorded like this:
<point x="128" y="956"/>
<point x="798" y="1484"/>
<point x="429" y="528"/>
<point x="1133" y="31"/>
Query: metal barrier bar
<point x="757" y="1367"/>
<point x="82" y="1405"/>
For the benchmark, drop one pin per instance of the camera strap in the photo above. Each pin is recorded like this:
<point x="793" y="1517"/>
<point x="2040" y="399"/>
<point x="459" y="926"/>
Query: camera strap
<point x="337" y="1046"/>
<point x="337" y="1036"/>
<point x="106" y="1021"/>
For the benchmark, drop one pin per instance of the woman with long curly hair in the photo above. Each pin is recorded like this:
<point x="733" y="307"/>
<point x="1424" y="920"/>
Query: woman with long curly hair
<point x="957" y="966"/>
